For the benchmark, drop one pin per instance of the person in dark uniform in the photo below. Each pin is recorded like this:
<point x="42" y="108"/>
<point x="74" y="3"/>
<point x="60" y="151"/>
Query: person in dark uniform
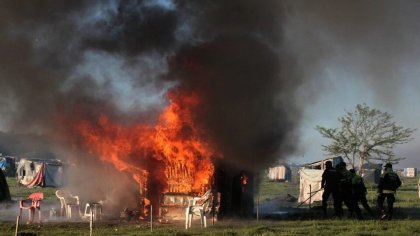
<point x="329" y="183"/>
<point x="359" y="191"/>
<point x="4" y="188"/>
<point x="388" y="184"/>
<point x="345" y="190"/>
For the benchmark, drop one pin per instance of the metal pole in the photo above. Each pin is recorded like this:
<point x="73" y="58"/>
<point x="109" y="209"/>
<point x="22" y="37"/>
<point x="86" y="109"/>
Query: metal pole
<point x="151" y="218"/>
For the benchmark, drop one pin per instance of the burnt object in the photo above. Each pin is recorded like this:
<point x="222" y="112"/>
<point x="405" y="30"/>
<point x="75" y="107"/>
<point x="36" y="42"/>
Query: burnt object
<point x="172" y="205"/>
<point x="236" y="188"/>
<point x="127" y="215"/>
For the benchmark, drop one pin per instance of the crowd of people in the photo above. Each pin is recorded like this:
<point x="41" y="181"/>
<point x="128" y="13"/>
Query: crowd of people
<point x="347" y="187"/>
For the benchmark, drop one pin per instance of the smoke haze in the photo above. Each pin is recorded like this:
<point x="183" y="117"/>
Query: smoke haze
<point x="352" y="52"/>
<point x="259" y="66"/>
<point x="65" y="53"/>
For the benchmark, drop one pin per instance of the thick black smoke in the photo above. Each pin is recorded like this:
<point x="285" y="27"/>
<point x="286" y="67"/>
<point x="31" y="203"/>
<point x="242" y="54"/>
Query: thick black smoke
<point x="133" y="28"/>
<point x="65" y="60"/>
<point x="57" y="66"/>
<point x="248" y="112"/>
<point x="85" y="58"/>
<point x="239" y="66"/>
<point x="44" y="44"/>
<point x="239" y="78"/>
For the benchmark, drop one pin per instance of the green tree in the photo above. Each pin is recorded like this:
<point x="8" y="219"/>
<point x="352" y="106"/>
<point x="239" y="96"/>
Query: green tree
<point x="367" y="135"/>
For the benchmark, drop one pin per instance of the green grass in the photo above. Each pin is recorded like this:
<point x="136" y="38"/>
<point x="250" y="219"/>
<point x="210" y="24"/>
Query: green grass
<point x="269" y="190"/>
<point x="284" y="227"/>
<point x="21" y="192"/>
<point x="305" y="222"/>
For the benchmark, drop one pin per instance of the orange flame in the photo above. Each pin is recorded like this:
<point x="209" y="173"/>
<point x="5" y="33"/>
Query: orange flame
<point x="175" y="141"/>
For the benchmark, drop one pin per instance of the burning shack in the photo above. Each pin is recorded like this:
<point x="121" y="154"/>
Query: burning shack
<point x="172" y="161"/>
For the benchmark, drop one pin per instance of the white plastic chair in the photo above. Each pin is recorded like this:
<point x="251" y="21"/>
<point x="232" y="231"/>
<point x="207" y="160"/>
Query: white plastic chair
<point x="68" y="202"/>
<point x="199" y="206"/>
<point x="93" y="210"/>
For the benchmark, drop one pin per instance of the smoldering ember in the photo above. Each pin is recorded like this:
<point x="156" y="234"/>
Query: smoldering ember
<point x="189" y="113"/>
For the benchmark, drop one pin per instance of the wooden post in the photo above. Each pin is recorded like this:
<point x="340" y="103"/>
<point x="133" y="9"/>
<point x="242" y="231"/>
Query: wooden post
<point x="151" y="218"/>
<point x="39" y="215"/>
<point x="91" y="220"/>
<point x="213" y="209"/>
<point x="310" y="196"/>
<point x="258" y="206"/>
<point x="17" y="225"/>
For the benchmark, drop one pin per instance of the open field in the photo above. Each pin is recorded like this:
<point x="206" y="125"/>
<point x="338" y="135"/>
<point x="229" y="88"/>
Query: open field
<point x="235" y="227"/>
<point x="301" y="222"/>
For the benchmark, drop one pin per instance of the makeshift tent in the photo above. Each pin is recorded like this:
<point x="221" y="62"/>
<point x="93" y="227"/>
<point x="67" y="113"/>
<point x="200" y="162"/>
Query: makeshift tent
<point x="7" y="164"/>
<point x="320" y="165"/>
<point x="310" y="179"/>
<point x="410" y="172"/>
<point x="40" y="172"/>
<point x="4" y="188"/>
<point x="371" y="173"/>
<point x="371" y="176"/>
<point x="310" y="182"/>
<point x="3" y="163"/>
<point x="279" y="173"/>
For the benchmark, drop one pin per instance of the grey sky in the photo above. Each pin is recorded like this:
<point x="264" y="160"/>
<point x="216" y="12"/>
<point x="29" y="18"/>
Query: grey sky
<point x="356" y="52"/>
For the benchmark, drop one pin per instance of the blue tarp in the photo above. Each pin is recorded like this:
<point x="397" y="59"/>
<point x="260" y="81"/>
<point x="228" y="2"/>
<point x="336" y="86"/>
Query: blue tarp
<point x="53" y="175"/>
<point x="3" y="163"/>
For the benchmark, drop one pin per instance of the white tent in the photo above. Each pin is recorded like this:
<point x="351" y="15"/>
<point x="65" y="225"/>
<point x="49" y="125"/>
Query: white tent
<point x="279" y="173"/>
<point x="310" y="182"/>
<point x="311" y="177"/>
<point x="40" y="172"/>
<point x="410" y="172"/>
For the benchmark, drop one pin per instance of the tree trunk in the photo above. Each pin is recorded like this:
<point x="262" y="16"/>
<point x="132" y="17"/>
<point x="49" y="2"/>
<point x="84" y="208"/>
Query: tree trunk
<point x="361" y="161"/>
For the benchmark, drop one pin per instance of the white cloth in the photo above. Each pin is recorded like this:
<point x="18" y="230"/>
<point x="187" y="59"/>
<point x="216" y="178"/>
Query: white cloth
<point x="310" y="181"/>
<point x="277" y="173"/>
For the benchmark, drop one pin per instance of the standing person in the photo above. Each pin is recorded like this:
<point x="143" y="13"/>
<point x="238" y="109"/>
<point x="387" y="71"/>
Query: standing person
<point x="4" y="188"/>
<point x="388" y="184"/>
<point x="329" y="183"/>
<point x="359" y="191"/>
<point x="346" y="191"/>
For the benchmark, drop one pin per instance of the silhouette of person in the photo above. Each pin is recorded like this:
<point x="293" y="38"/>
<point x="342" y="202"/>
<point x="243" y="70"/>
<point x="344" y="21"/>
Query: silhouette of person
<point x="329" y="182"/>
<point x="359" y="191"/>
<point x="388" y="184"/>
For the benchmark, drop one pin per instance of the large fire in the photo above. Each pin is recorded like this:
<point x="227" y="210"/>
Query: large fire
<point x="175" y="142"/>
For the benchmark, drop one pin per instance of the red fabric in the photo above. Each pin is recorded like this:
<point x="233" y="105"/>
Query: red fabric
<point x="38" y="179"/>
